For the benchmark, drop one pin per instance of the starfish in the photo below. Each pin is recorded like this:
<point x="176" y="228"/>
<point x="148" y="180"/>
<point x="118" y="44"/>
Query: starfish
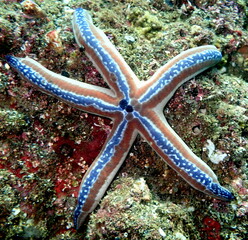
<point x="135" y="107"/>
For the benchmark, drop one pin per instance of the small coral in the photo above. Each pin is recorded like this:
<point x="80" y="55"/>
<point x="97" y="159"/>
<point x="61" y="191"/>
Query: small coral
<point x="54" y="41"/>
<point x="32" y="9"/>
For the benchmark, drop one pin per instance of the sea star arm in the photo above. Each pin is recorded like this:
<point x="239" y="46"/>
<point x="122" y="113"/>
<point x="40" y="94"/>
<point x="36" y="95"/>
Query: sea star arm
<point x="87" y="97"/>
<point x="163" y="84"/>
<point x="102" y="171"/>
<point x="154" y="95"/>
<point x="177" y="154"/>
<point x="104" y="55"/>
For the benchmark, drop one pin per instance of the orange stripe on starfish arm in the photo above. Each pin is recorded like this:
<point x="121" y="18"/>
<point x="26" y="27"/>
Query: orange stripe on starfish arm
<point x="163" y="84"/>
<point x="102" y="52"/>
<point x="177" y="154"/>
<point x="59" y="86"/>
<point x="103" y="170"/>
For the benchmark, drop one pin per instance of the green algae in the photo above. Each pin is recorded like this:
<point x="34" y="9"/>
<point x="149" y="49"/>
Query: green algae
<point x="144" y="23"/>
<point x="10" y="205"/>
<point x="3" y="85"/>
<point x="132" y="211"/>
<point x="11" y="121"/>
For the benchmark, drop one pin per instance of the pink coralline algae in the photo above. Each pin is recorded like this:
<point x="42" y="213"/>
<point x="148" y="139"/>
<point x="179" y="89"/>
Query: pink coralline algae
<point x="75" y="157"/>
<point x="5" y="165"/>
<point x="242" y="207"/>
<point x="211" y="230"/>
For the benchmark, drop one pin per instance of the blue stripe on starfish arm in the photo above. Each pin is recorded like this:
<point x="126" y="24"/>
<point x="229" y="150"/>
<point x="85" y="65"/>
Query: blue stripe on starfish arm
<point x="81" y="95"/>
<point x="170" y="147"/>
<point x="103" y="54"/>
<point x="179" y="70"/>
<point x="102" y="171"/>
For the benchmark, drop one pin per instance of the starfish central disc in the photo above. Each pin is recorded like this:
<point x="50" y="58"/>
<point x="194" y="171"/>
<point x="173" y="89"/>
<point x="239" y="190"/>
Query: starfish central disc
<point x="125" y="106"/>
